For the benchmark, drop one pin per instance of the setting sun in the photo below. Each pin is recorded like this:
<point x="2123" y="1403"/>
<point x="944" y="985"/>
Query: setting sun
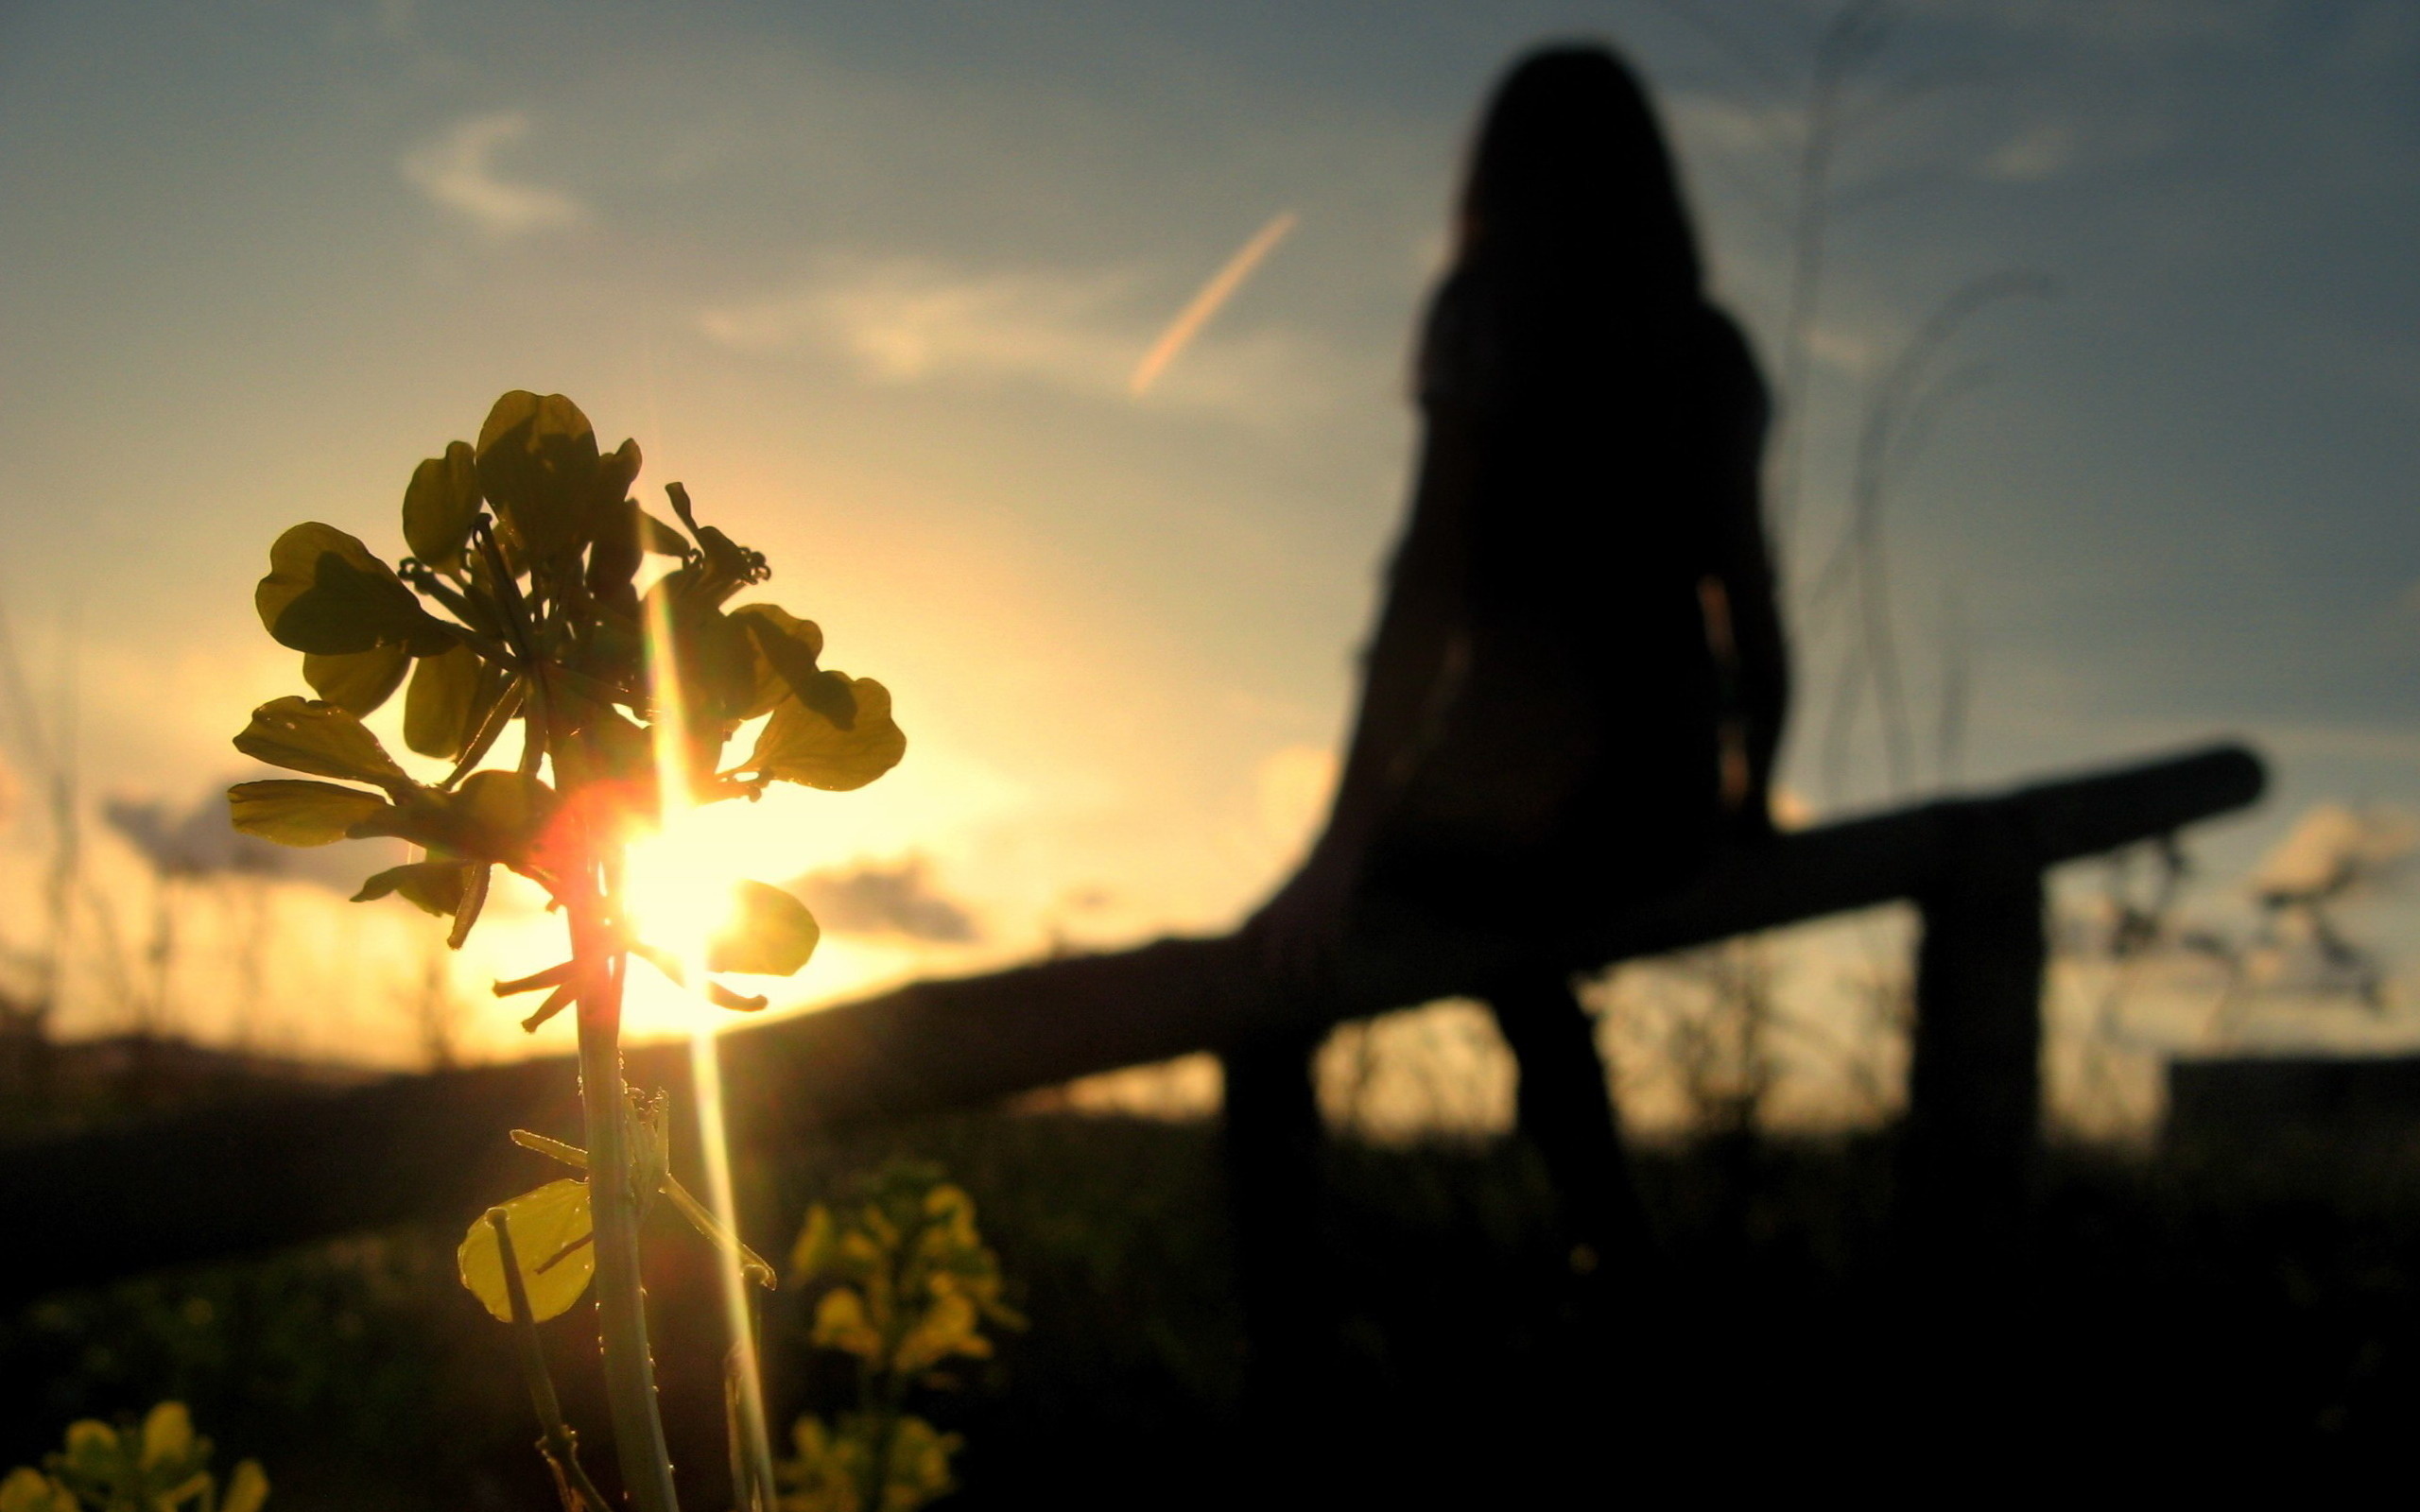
<point x="682" y="889"/>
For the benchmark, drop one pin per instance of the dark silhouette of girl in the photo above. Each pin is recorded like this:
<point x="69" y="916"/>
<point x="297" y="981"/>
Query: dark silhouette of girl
<point x="1577" y="681"/>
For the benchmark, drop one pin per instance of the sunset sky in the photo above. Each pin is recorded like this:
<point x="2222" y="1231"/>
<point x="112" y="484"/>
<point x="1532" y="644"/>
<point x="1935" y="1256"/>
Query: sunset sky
<point x="874" y="281"/>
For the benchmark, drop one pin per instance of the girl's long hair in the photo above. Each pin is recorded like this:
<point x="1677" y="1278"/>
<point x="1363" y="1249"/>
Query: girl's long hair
<point x="1571" y="169"/>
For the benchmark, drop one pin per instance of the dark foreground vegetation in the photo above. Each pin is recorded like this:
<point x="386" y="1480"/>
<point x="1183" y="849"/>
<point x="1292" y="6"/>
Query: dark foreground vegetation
<point x="2236" y="1309"/>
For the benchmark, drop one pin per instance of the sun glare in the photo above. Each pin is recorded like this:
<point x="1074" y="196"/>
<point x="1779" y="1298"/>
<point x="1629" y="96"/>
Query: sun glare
<point x="679" y="884"/>
<point x="681" y="891"/>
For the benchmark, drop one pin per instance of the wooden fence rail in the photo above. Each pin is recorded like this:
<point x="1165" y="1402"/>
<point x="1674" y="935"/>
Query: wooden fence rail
<point x="205" y="1185"/>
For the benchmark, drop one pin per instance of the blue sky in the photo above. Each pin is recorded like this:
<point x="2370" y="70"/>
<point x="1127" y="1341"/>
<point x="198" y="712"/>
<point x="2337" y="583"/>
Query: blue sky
<point x="870" y="280"/>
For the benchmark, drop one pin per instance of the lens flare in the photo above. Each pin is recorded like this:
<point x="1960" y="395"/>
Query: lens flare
<point x="681" y="893"/>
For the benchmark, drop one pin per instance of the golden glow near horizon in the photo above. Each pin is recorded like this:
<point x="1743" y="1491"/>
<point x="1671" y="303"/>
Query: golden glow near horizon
<point x="1118" y="628"/>
<point x="1198" y="311"/>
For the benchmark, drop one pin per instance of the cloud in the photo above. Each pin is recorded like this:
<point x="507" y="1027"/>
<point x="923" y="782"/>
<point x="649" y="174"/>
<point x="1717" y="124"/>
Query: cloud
<point x="2033" y="155"/>
<point x="912" y="320"/>
<point x="2333" y="849"/>
<point x="1721" y="123"/>
<point x="907" y="320"/>
<point x="456" y="172"/>
<point x="877" y="900"/>
<point x="2139" y="27"/>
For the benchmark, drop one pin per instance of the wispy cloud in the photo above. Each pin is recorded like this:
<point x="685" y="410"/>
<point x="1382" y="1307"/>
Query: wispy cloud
<point x="2334" y="849"/>
<point x="2154" y="27"/>
<point x="2033" y="155"/>
<point x="900" y="899"/>
<point x="911" y="320"/>
<point x="457" y="172"/>
<point x="908" y="319"/>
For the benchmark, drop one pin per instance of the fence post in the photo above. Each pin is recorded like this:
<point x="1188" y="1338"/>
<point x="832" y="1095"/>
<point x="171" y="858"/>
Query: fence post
<point x="1271" y="1145"/>
<point x="1974" y="1076"/>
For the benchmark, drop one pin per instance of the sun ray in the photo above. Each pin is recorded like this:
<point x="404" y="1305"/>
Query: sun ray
<point x="680" y="894"/>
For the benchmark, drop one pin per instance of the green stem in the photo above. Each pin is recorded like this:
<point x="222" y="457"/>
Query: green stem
<point x="752" y="1450"/>
<point x="588" y="896"/>
<point x="621" y="1300"/>
<point x="559" y="1444"/>
<point x="878" y="1460"/>
<point x="882" y="1386"/>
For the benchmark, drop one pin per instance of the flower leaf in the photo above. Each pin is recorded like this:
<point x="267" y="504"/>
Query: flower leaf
<point x="549" y="1228"/>
<point x="167" y="1436"/>
<point x="616" y="471"/>
<point x="432" y="887"/>
<point x="30" y="1490"/>
<point x="360" y="682"/>
<point x="537" y="463"/>
<point x="495" y="815"/>
<point x="306" y="735"/>
<point x="818" y="1242"/>
<point x="246" y="1489"/>
<point x="299" y="814"/>
<point x="771" y="934"/>
<point x="620" y="750"/>
<point x="715" y="656"/>
<point x="950" y="1326"/>
<point x="94" y="1450"/>
<point x="840" y="1323"/>
<point x="661" y="539"/>
<point x="786" y="648"/>
<point x="509" y="807"/>
<point x="614" y="525"/>
<point x="440" y="507"/>
<point x="326" y="595"/>
<point x="474" y="898"/>
<point x="801" y="744"/>
<point x="439" y="711"/>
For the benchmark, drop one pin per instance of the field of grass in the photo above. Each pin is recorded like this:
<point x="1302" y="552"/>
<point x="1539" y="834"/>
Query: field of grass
<point x="2222" y="1310"/>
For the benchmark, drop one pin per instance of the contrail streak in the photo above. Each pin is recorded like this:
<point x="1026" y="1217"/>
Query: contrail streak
<point x="1196" y="312"/>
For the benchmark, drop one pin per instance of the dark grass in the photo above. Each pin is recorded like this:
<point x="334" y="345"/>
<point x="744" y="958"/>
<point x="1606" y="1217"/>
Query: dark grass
<point x="2181" y="1314"/>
